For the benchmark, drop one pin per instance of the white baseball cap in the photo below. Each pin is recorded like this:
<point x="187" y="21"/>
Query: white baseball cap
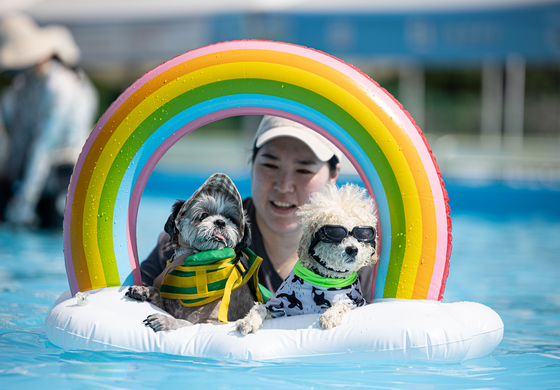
<point x="272" y="127"/>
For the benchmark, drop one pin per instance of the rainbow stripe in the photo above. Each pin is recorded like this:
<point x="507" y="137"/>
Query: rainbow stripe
<point x="259" y="77"/>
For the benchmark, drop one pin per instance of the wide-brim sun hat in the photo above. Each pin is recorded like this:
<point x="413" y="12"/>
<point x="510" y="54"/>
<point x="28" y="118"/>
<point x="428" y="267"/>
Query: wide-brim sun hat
<point x="24" y="44"/>
<point x="272" y="127"/>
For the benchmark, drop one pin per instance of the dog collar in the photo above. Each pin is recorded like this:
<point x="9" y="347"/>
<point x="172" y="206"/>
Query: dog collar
<point x="318" y="280"/>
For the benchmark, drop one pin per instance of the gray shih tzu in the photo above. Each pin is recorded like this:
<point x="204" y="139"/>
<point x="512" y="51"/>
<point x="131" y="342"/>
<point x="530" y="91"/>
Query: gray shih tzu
<point x="212" y="277"/>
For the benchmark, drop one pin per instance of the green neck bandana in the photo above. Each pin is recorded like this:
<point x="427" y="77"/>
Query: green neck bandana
<point x="209" y="257"/>
<point x="321" y="281"/>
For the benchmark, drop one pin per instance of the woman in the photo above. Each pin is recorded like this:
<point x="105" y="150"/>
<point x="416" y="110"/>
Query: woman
<point x="289" y="162"/>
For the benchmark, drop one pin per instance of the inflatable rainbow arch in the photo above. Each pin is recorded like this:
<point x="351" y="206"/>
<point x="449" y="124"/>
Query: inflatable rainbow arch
<point x="259" y="77"/>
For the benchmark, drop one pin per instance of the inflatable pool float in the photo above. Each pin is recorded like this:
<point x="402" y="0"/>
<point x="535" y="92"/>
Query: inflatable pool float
<point x="389" y="329"/>
<point x="365" y="122"/>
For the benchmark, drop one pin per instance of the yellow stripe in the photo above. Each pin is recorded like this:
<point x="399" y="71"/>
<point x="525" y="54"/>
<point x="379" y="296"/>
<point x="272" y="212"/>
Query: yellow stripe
<point x="201" y="282"/>
<point x="224" y="305"/>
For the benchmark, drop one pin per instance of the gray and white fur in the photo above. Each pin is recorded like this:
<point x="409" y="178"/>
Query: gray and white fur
<point x="210" y="223"/>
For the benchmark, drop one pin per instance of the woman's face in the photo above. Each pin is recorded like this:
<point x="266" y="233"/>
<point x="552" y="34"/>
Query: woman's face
<point x="285" y="173"/>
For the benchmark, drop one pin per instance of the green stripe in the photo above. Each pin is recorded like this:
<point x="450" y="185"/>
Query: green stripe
<point x="263" y="87"/>
<point x="165" y="288"/>
<point x="191" y="301"/>
<point x="215" y="286"/>
<point x="182" y="274"/>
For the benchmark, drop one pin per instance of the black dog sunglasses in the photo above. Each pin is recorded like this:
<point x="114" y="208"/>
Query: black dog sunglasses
<point x="336" y="233"/>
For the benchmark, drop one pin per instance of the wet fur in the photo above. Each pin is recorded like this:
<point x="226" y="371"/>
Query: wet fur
<point x="200" y="236"/>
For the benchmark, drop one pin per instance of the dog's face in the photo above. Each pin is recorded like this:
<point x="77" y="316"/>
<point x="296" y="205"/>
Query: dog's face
<point x="339" y="259"/>
<point x="348" y="207"/>
<point x="211" y="223"/>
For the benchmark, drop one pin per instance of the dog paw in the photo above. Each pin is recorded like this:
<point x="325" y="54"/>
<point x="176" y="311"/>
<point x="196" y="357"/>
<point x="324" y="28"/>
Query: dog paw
<point x="140" y="293"/>
<point x="245" y="326"/>
<point x="161" y="322"/>
<point x="158" y="322"/>
<point x="253" y="320"/>
<point x="333" y="316"/>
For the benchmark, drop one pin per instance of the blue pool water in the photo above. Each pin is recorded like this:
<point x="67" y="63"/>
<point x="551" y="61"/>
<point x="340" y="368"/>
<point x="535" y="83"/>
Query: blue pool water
<point x="507" y="261"/>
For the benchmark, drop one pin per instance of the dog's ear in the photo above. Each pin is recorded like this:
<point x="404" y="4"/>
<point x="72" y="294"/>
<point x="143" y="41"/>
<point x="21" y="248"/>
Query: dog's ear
<point x="170" y="224"/>
<point x="246" y="241"/>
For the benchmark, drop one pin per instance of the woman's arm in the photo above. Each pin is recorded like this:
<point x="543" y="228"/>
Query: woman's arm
<point x="156" y="261"/>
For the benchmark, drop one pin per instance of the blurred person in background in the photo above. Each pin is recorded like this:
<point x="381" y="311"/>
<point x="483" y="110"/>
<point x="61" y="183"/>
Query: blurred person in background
<point x="46" y="115"/>
<point x="289" y="163"/>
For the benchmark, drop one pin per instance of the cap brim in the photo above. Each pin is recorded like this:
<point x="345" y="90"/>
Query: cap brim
<point x="317" y="145"/>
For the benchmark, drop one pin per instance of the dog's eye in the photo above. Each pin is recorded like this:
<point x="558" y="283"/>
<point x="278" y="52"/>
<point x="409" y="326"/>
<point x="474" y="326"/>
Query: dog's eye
<point x="202" y="217"/>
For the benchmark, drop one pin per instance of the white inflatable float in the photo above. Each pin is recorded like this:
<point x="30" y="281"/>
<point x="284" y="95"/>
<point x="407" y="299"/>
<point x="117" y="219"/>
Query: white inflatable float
<point x="406" y="319"/>
<point x="387" y="329"/>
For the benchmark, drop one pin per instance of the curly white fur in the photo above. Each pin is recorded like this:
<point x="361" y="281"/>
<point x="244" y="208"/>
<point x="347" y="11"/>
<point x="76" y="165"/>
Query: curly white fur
<point x="348" y="206"/>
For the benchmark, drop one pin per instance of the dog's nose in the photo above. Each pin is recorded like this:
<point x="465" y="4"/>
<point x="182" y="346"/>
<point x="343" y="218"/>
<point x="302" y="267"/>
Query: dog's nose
<point x="219" y="223"/>
<point x="351" y="250"/>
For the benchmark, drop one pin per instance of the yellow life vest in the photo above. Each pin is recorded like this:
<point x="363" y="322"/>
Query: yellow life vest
<point x="210" y="275"/>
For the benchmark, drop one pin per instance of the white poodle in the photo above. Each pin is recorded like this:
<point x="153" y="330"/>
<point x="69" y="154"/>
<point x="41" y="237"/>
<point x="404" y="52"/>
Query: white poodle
<point x="339" y="237"/>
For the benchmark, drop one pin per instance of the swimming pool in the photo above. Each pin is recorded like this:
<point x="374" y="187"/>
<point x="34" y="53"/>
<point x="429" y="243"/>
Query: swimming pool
<point x="509" y="262"/>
